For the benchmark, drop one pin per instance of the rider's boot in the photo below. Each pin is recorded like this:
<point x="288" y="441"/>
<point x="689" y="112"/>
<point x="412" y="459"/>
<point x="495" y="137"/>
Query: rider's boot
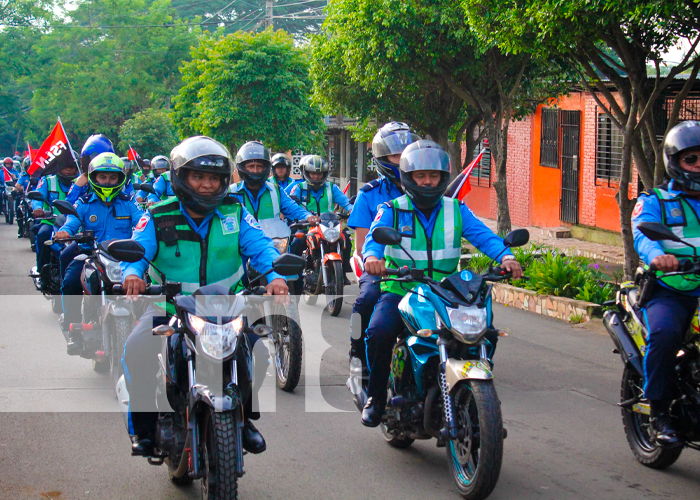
<point x="373" y="411"/>
<point x="142" y="446"/>
<point x="253" y="441"/>
<point x="666" y="434"/>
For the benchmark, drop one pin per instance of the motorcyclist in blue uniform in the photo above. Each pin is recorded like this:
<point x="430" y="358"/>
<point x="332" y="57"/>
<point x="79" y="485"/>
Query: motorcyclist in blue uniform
<point x="107" y="211"/>
<point x="52" y="187"/>
<point x="95" y="145"/>
<point x="430" y="224"/>
<point x="675" y="203"/>
<point x="388" y="144"/>
<point x="162" y="185"/>
<point x="281" y="172"/>
<point x="22" y="186"/>
<point x="215" y="233"/>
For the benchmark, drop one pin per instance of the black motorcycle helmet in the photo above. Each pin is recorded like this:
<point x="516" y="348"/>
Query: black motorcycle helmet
<point x="281" y="159"/>
<point x="682" y="137"/>
<point x="250" y="151"/>
<point x="202" y="154"/>
<point x="390" y="140"/>
<point x="160" y="162"/>
<point x="424" y="155"/>
<point x="314" y="164"/>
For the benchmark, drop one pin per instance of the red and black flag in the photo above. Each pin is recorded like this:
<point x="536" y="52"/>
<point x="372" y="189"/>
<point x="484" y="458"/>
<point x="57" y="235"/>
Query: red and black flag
<point x="132" y="155"/>
<point x="54" y="154"/>
<point x="460" y="186"/>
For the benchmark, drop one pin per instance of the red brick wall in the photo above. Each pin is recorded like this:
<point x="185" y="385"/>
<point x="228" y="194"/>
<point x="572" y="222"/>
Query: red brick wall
<point x="518" y="171"/>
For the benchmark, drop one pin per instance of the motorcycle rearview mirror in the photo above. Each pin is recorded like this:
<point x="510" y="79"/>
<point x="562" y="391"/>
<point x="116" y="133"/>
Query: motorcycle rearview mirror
<point x="147" y="188"/>
<point x="137" y="186"/>
<point x="36" y="196"/>
<point x="656" y="231"/>
<point x="126" y="250"/>
<point x="386" y="236"/>
<point x="288" y="264"/>
<point x="65" y="208"/>
<point x="517" y="238"/>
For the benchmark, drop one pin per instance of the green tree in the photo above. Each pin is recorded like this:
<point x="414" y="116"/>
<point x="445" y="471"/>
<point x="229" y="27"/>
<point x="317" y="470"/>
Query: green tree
<point x="608" y="44"/>
<point x="249" y="86"/>
<point x="96" y="78"/>
<point x="151" y="132"/>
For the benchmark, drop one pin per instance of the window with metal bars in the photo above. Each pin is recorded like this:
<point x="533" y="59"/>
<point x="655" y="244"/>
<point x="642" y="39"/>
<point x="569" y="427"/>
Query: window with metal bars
<point x="481" y="173"/>
<point x="608" y="151"/>
<point x="549" y="138"/>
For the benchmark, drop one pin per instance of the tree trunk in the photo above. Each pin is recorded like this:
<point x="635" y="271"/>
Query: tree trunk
<point x="499" y="154"/>
<point x="623" y="202"/>
<point x="454" y="149"/>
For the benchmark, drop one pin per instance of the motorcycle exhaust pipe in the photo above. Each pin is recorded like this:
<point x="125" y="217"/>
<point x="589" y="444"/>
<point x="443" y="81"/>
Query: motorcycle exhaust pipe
<point x="430" y="400"/>
<point x="623" y="340"/>
<point x="184" y="459"/>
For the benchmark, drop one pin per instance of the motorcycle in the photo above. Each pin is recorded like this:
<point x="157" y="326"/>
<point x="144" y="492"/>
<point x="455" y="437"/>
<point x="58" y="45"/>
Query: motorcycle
<point x="146" y="187"/>
<point x="48" y="279"/>
<point x="324" y="262"/>
<point x="441" y="381"/>
<point x="205" y="375"/>
<point x="107" y="320"/>
<point x="282" y="318"/>
<point x="626" y="325"/>
<point x="9" y="202"/>
<point x="24" y="214"/>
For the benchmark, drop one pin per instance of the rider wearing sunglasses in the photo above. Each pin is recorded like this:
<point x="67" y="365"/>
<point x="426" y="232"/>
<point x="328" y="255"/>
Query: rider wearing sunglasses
<point x="675" y="203"/>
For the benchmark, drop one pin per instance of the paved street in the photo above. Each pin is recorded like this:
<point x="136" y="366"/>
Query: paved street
<point x="61" y="435"/>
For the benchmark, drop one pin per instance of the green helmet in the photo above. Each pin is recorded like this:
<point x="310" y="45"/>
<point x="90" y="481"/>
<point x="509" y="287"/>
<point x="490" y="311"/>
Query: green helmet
<point x="107" y="162"/>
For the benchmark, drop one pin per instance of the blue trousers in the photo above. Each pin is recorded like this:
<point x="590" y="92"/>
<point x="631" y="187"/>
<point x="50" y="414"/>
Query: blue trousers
<point x="362" y="311"/>
<point x="72" y="291"/>
<point x="384" y="326"/>
<point x="668" y="316"/>
<point x="43" y="253"/>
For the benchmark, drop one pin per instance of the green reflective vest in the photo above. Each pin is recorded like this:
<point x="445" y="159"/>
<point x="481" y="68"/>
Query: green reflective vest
<point x="438" y="255"/>
<point x="187" y="258"/>
<point x="53" y="187"/>
<point x="166" y="176"/>
<point x="269" y="204"/>
<point x="325" y="204"/>
<point x="679" y="216"/>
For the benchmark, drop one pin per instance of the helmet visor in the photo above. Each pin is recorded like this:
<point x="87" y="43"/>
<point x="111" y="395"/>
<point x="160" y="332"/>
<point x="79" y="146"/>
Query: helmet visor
<point x="197" y="147"/>
<point x="425" y="159"/>
<point x="160" y="164"/>
<point x="394" y="143"/>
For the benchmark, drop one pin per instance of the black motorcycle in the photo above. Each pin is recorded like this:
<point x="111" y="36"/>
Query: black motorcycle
<point x="9" y="202"/>
<point x="206" y="375"/>
<point x="628" y="330"/>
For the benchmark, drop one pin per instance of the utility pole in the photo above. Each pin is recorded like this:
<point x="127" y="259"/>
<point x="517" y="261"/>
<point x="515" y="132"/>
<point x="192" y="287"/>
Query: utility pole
<point x="268" y="13"/>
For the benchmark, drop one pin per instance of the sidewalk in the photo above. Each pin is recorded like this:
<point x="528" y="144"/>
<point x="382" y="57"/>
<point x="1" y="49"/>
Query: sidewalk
<point x="571" y="246"/>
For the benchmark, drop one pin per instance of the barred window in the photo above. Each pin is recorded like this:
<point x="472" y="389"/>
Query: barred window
<point x="549" y="138"/>
<point x="608" y="154"/>
<point x="481" y="173"/>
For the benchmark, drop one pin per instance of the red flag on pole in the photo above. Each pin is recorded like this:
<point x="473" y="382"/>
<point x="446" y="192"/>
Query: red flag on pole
<point x="54" y="154"/>
<point x="460" y="186"/>
<point x="345" y="191"/>
<point x="31" y="153"/>
<point x="132" y="155"/>
<point x="8" y="177"/>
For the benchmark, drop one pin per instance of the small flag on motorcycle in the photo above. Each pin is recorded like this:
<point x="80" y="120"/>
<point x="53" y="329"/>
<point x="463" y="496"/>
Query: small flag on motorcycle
<point x="8" y="176"/>
<point x="460" y="186"/>
<point x="345" y="191"/>
<point x="132" y="155"/>
<point x="54" y="154"/>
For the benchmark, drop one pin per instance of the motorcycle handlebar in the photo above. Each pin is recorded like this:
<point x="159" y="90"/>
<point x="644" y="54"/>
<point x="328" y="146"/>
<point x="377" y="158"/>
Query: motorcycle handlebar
<point x="150" y="290"/>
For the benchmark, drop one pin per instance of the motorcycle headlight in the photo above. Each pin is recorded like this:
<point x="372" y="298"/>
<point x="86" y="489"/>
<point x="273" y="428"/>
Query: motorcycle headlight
<point x="280" y="244"/>
<point x="217" y="341"/>
<point x="114" y="270"/>
<point x="468" y="323"/>
<point x="332" y="234"/>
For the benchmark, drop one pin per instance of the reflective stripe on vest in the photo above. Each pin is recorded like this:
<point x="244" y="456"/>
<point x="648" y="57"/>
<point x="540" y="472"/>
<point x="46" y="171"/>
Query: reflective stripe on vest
<point x="441" y="258"/>
<point x="679" y="216"/>
<point x="187" y="258"/>
<point x="268" y="205"/>
<point x="317" y="207"/>
<point x="52" y="187"/>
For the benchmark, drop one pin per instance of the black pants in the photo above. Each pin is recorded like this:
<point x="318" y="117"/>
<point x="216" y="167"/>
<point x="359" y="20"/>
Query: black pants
<point x="361" y="313"/>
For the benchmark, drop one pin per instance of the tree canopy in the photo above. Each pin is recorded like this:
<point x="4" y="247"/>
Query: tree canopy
<point x="246" y="87"/>
<point x="151" y="132"/>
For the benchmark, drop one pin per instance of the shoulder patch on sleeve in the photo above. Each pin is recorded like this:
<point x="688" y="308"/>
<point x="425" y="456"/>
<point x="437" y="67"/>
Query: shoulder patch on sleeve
<point x="638" y="208"/>
<point x="370" y="185"/>
<point x="143" y="222"/>
<point x="252" y="221"/>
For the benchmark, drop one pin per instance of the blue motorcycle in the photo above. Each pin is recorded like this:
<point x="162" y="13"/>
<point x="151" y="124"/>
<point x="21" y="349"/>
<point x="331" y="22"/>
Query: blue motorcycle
<point x="441" y="384"/>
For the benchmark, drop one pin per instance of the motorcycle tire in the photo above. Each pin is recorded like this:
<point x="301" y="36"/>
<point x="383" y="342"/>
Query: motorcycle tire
<point x="311" y="299"/>
<point x="56" y="304"/>
<point x="395" y="441"/>
<point x="219" y="454"/>
<point x="637" y="427"/>
<point x="9" y="212"/>
<point x="475" y="461"/>
<point x="288" y="352"/>
<point x="334" y="287"/>
<point x="123" y="325"/>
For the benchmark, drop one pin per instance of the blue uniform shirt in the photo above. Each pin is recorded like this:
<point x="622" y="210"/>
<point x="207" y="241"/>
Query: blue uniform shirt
<point x="76" y="192"/>
<point x="338" y="197"/>
<point x="473" y="230"/>
<point x="648" y="209"/>
<point x="24" y="180"/>
<point x="161" y="186"/>
<point x="253" y="243"/>
<point x="113" y="221"/>
<point x="368" y="201"/>
<point x="43" y="188"/>
<point x="288" y="207"/>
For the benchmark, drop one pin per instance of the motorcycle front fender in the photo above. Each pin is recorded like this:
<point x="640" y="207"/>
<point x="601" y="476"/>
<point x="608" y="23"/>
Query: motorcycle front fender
<point x="119" y="308"/>
<point x="228" y="401"/>
<point x="457" y="370"/>
<point x="331" y="256"/>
